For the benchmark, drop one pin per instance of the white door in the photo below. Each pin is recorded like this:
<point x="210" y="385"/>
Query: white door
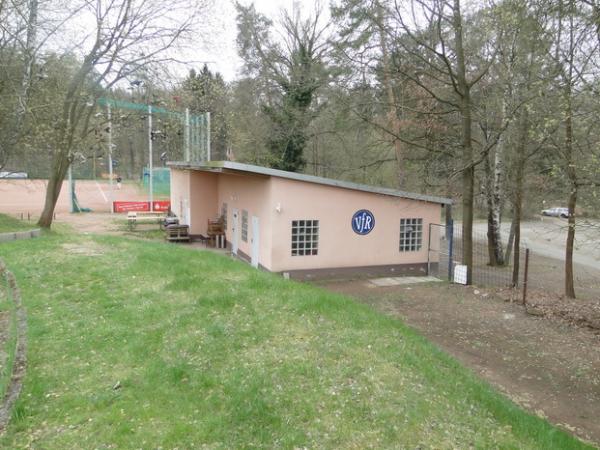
<point x="185" y="213"/>
<point x="255" y="241"/>
<point x="234" y="233"/>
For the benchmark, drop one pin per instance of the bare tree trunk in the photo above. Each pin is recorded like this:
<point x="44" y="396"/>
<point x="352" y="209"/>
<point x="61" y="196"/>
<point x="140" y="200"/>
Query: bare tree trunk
<point x="29" y="56"/>
<point x="393" y="119"/>
<point x="518" y="200"/>
<point x="71" y="115"/>
<point x="59" y="170"/>
<point x="468" y="175"/>
<point x="571" y="170"/>
<point x="572" y="175"/>
<point x="489" y="200"/>
<point x="569" y="274"/>
<point x="511" y="240"/>
<point x="518" y="194"/>
<point x="495" y="197"/>
<point x="468" y="183"/>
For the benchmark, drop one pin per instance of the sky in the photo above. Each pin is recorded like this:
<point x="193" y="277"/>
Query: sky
<point x="219" y="51"/>
<point x="222" y="56"/>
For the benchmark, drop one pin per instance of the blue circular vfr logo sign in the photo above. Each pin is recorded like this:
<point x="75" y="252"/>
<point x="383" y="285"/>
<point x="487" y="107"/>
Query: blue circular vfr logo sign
<point x="363" y="222"/>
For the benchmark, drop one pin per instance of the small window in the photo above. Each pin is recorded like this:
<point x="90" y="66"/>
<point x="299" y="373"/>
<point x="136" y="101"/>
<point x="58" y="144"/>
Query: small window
<point x="244" y="225"/>
<point x="224" y="215"/>
<point x="305" y="237"/>
<point x="411" y="235"/>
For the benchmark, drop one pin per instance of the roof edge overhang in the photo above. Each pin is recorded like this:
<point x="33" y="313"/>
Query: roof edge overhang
<point x="226" y="166"/>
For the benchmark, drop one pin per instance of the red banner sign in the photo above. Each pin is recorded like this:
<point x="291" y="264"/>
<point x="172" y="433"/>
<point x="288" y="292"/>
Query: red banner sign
<point x="162" y="205"/>
<point x="141" y="206"/>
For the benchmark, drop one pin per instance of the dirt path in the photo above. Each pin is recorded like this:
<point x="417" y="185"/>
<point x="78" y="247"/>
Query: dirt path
<point x="549" y="368"/>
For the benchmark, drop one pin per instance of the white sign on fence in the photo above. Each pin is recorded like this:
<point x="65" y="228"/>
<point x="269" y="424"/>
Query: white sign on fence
<point x="460" y="274"/>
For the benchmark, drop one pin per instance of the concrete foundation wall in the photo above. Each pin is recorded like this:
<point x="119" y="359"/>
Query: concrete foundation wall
<point x="333" y="273"/>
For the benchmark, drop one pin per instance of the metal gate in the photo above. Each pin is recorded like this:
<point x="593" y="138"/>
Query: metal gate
<point x="440" y="251"/>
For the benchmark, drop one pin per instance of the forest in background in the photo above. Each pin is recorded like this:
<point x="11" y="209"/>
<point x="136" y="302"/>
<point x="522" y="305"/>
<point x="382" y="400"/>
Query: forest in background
<point x="491" y="103"/>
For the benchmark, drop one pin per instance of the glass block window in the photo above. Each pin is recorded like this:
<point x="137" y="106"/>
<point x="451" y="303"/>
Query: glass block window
<point x="244" y="225"/>
<point x="305" y="237"/>
<point x="224" y="215"/>
<point x="411" y="235"/>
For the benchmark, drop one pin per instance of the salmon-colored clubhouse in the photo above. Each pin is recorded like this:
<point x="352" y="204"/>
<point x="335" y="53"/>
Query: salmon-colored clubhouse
<point x="303" y="225"/>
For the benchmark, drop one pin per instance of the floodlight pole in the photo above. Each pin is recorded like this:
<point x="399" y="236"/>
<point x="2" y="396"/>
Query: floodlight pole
<point x="186" y="134"/>
<point x="150" y="169"/>
<point x="208" y="136"/>
<point x="110" y="163"/>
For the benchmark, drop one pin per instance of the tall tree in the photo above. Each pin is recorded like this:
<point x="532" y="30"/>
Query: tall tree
<point x="507" y="91"/>
<point x="128" y="35"/>
<point x="524" y="50"/>
<point x="574" y="51"/>
<point x="250" y="127"/>
<point x="206" y="91"/>
<point x="12" y="133"/>
<point x="366" y="44"/>
<point x="292" y="71"/>
<point x="437" y="40"/>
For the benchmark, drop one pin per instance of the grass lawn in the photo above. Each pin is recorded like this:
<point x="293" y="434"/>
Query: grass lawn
<point x="136" y="344"/>
<point x="8" y="224"/>
<point x="151" y="231"/>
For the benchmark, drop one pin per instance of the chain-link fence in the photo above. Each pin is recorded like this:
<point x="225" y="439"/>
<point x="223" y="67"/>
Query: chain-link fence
<point x="446" y="252"/>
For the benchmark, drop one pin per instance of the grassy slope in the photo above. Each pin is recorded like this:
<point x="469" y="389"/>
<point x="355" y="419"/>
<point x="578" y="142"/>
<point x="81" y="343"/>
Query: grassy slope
<point x="209" y="351"/>
<point x="8" y="224"/>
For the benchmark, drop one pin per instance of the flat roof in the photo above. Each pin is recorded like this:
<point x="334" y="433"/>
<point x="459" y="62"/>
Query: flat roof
<point x="224" y="166"/>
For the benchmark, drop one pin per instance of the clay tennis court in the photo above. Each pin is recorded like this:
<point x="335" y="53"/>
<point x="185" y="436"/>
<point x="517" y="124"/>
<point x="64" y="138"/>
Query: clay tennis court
<point x="27" y="196"/>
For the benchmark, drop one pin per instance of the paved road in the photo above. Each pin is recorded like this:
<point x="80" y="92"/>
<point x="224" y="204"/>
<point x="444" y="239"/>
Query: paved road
<point x="548" y="235"/>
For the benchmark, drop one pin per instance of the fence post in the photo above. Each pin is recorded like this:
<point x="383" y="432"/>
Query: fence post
<point x="429" y="251"/>
<point x="450" y="235"/>
<point x="525" y="276"/>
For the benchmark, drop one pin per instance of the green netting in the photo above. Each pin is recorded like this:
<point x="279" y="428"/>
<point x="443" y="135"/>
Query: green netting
<point x="187" y="139"/>
<point x="161" y="181"/>
<point x="75" y="206"/>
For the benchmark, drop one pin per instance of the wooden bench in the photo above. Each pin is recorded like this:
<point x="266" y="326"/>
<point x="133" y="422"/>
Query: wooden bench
<point x="216" y="232"/>
<point x="136" y="218"/>
<point x="177" y="233"/>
